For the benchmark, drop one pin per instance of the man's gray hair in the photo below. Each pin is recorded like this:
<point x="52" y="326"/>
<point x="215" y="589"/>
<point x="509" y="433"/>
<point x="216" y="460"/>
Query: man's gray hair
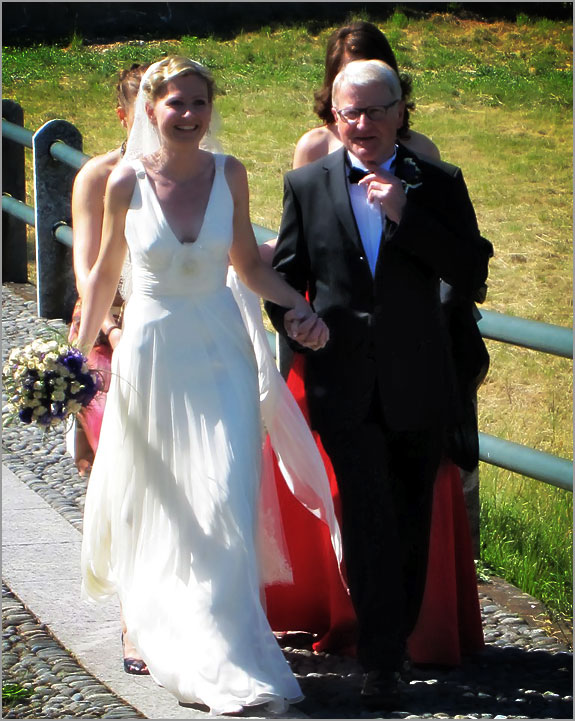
<point x="365" y="72"/>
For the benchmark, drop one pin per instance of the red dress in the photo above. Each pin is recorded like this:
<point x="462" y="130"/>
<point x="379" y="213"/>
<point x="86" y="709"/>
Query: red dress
<point x="449" y="624"/>
<point x="100" y="358"/>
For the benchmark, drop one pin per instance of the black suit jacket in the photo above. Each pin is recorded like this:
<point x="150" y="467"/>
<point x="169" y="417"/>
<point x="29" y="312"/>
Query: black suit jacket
<point x="386" y="332"/>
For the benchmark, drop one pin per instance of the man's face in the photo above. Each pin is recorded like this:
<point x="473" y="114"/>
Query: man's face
<point x="371" y="141"/>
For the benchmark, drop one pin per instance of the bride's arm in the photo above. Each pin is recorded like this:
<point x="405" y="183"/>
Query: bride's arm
<point x="100" y="287"/>
<point x="305" y="326"/>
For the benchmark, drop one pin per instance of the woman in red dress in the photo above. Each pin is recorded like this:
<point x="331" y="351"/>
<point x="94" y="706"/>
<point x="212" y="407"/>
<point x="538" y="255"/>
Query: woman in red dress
<point x="87" y="214"/>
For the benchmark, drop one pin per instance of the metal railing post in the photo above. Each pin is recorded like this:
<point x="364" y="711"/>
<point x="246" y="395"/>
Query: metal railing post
<point x="14" y="255"/>
<point x="53" y="181"/>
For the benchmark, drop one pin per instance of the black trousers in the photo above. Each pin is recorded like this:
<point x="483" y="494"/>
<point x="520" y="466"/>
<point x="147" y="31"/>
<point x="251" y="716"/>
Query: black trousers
<point x="385" y="479"/>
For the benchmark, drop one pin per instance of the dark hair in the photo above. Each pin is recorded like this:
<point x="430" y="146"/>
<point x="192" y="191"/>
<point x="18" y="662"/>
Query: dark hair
<point x="129" y="84"/>
<point x="362" y="41"/>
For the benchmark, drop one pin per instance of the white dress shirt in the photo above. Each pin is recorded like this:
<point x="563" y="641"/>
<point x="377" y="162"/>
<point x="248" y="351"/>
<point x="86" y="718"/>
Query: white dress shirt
<point x="368" y="216"/>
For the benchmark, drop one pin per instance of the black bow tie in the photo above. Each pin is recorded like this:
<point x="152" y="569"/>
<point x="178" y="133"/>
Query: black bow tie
<point x="356" y="174"/>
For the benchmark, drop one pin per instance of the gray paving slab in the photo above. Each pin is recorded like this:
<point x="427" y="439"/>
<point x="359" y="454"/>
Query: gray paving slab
<point x="41" y="565"/>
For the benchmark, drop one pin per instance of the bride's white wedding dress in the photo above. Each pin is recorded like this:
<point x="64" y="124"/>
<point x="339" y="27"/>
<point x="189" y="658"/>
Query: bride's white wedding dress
<point x="171" y="507"/>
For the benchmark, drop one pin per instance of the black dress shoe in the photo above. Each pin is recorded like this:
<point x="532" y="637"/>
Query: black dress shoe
<point x="406" y="671"/>
<point x="380" y="690"/>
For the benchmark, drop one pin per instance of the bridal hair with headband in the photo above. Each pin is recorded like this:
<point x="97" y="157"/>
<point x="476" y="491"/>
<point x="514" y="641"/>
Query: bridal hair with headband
<point x="144" y="138"/>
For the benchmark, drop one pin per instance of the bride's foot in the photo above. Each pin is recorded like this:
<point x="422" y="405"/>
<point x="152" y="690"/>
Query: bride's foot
<point x="233" y="711"/>
<point x="84" y="467"/>
<point x="132" y="664"/>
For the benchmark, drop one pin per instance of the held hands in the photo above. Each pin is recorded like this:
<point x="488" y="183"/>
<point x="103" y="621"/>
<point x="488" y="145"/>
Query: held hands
<point x="385" y="189"/>
<point x="306" y="327"/>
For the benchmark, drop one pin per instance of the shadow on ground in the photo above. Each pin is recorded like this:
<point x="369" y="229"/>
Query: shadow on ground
<point x="505" y="682"/>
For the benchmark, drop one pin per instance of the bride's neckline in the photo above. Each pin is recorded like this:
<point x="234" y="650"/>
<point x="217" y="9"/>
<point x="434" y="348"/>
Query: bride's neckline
<point x="152" y="184"/>
<point x="153" y="164"/>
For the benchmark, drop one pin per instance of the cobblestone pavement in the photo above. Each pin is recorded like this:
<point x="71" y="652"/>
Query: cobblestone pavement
<point x="59" y="687"/>
<point x="525" y="671"/>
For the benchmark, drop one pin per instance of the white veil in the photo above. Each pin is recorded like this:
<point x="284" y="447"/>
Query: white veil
<point x="299" y="459"/>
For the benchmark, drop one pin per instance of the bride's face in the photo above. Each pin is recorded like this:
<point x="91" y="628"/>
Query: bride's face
<point x="183" y="112"/>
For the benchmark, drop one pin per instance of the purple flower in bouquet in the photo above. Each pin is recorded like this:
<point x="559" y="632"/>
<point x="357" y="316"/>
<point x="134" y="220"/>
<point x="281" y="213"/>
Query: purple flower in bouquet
<point x="73" y="360"/>
<point x="25" y="415"/>
<point x="89" y="388"/>
<point x="29" y="379"/>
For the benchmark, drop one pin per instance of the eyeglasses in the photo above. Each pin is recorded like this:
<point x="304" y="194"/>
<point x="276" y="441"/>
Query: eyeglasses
<point x="352" y="115"/>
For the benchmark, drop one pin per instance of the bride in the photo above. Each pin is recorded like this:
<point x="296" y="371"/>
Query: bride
<point x="171" y="508"/>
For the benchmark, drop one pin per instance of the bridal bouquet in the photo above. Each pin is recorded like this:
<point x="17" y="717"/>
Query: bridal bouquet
<point x="47" y="382"/>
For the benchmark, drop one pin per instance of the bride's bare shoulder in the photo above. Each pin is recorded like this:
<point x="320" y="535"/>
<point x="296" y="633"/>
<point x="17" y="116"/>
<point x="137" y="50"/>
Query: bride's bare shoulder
<point x="122" y="174"/>
<point x="314" y="144"/>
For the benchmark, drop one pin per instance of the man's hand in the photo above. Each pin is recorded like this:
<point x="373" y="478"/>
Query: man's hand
<point x="386" y="190"/>
<point x="309" y="331"/>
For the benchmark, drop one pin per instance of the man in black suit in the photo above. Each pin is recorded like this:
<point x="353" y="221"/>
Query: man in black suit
<point x="368" y="232"/>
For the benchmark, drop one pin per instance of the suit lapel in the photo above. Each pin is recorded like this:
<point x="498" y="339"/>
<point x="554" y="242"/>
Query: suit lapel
<point x="337" y="189"/>
<point x="407" y="170"/>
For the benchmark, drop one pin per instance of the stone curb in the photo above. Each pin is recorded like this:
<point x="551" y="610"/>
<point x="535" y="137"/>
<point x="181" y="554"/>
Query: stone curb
<point x="532" y="611"/>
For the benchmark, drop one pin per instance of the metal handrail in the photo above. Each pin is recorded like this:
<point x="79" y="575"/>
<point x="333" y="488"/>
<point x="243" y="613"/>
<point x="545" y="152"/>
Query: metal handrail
<point x="533" y="334"/>
<point x="526" y="461"/>
<point x="17" y="133"/>
<point x="18" y="209"/>
<point x="58" y="150"/>
<point x="65" y="154"/>
<point x="263" y="234"/>
<point x="63" y="234"/>
<point x="543" y="337"/>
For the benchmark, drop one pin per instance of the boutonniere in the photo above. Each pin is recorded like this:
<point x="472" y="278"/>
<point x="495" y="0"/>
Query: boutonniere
<point x="411" y="175"/>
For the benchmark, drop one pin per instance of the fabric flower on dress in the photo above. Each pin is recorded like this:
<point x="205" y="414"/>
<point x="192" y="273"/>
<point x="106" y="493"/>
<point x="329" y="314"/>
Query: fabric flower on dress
<point x="47" y="382"/>
<point x="189" y="266"/>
